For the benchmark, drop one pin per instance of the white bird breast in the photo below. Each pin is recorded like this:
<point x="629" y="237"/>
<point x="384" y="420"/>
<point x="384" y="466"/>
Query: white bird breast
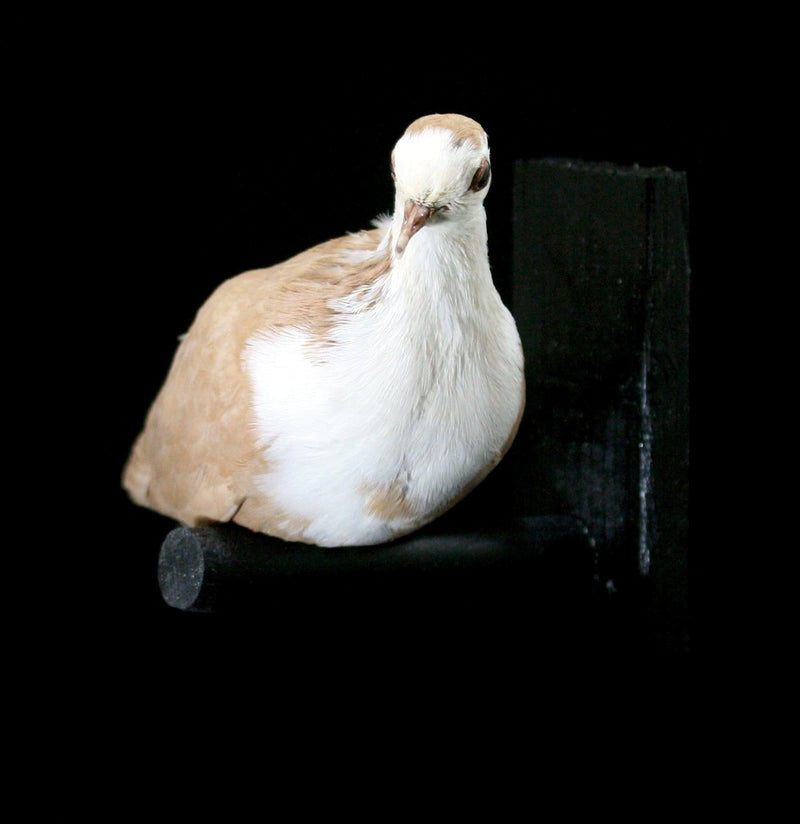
<point x="378" y="404"/>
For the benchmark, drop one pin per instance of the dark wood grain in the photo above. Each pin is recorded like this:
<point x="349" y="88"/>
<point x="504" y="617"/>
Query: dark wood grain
<point x="601" y="297"/>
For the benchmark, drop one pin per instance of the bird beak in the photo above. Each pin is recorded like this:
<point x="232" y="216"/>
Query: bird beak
<point x="415" y="216"/>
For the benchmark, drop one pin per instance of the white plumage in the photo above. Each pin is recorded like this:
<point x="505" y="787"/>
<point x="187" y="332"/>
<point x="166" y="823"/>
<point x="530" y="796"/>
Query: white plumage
<point x="355" y="392"/>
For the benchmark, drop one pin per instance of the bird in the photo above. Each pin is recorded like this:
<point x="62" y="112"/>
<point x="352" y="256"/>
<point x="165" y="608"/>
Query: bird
<point x="355" y="392"/>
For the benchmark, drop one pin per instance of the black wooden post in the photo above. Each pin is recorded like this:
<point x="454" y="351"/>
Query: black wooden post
<point x="601" y="297"/>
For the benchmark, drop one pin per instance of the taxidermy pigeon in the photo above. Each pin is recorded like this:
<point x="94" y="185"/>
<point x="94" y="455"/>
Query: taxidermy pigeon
<point x="356" y="391"/>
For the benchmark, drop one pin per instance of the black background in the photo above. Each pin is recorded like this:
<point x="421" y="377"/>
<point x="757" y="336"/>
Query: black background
<point x="156" y="157"/>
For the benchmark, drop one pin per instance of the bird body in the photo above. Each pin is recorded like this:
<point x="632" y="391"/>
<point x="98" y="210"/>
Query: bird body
<point x="356" y="391"/>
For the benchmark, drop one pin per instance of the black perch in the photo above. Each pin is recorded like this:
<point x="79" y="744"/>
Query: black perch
<point x="597" y="528"/>
<point x="227" y="569"/>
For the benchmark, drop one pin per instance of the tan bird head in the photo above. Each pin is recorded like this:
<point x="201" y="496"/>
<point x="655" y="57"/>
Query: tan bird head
<point x="442" y="172"/>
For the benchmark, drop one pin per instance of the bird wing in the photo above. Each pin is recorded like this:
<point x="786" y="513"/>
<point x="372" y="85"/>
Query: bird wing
<point x="197" y="456"/>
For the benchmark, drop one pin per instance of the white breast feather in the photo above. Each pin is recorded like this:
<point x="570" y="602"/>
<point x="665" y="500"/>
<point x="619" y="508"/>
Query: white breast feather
<point x="387" y="400"/>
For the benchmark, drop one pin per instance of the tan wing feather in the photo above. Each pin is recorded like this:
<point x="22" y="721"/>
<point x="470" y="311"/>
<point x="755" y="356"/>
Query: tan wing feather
<point x="196" y="457"/>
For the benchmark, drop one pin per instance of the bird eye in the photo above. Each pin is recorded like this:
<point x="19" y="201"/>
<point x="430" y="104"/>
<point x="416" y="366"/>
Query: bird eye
<point x="482" y="177"/>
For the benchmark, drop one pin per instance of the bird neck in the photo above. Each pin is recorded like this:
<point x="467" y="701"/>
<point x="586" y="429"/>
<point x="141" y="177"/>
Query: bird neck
<point x="443" y="276"/>
<point x="450" y="249"/>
